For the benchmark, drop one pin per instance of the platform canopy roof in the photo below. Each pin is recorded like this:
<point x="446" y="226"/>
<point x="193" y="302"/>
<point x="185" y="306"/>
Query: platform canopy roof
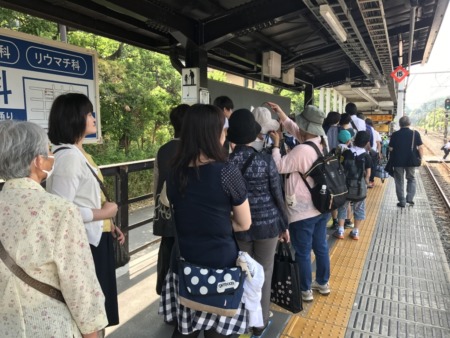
<point x="352" y="45"/>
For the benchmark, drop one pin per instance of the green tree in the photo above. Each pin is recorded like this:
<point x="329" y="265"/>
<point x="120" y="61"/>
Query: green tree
<point x="28" y="24"/>
<point x="297" y="99"/>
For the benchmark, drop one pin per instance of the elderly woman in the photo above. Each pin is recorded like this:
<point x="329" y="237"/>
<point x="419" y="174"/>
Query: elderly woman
<point x="269" y="220"/>
<point x="70" y="121"/>
<point x="44" y="235"/>
<point x="307" y="225"/>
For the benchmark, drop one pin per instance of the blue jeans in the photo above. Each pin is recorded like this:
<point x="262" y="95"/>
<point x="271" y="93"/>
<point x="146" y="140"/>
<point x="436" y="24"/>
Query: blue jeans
<point x="307" y="234"/>
<point x="358" y="208"/>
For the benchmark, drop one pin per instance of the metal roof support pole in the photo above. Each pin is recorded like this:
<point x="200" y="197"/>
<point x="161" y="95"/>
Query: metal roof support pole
<point x="309" y="95"/>
<point x="327" y="100"/>
<point x="335" y="93"/>
<point x="400" y="100"/>
<point x="403" y="86"/>
<point x="321" y="98"/>
<point x="198" y="57"/>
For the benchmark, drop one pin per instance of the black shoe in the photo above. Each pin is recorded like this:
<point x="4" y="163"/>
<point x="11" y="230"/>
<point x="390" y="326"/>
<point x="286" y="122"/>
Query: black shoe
<point x="401" y="205"/>
<point x="258" y="331"/>
<point x="411" y="203"/>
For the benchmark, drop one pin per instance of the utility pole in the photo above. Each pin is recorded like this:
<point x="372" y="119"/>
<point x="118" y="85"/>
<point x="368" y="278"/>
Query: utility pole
<point x="447" y="109"/>
<point x="434" y="116"/>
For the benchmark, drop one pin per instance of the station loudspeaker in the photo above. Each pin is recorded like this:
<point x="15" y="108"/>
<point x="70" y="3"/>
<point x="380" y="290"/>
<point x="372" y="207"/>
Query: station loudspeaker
<point x="288" y="77"/>
<point x="271" y="64"/>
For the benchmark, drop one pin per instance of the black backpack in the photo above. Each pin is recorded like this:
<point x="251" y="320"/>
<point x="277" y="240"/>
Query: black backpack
<point x="355" y="167"/>
<point x="330" y="191"/>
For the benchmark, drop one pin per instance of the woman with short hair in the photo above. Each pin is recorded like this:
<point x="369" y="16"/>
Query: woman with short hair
<point x="45" y="236"/>
<point x="269" y="220"/>
<point x="71" y="120"/>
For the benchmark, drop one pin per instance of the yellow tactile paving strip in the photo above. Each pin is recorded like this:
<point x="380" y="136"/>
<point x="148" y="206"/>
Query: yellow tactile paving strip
<point x="328" y="316"/>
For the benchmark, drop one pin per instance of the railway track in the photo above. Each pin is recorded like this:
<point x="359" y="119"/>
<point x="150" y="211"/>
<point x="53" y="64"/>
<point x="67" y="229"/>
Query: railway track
<point x="436" y="179"/>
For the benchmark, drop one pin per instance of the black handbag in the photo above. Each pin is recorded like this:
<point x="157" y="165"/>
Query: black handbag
<point x="285" y="290"/>
<point x="122" y="257"/>
<point x="414" y="158"/>
<point x="389" y="168"/>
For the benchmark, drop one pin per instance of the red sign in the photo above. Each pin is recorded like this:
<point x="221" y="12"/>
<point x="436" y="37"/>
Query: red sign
<point x="399" y="74"/>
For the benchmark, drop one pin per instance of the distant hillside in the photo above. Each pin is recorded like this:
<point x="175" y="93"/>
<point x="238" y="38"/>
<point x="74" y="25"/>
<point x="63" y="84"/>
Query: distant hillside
<point x="429" y="115"/>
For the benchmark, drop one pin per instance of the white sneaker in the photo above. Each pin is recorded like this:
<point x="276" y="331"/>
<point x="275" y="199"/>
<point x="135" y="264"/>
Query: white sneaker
<point x="323" y="289"/>
<point x="307" y="296"/>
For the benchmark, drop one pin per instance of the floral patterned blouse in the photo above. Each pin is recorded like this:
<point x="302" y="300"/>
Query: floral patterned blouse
<point x="44" y="234"/>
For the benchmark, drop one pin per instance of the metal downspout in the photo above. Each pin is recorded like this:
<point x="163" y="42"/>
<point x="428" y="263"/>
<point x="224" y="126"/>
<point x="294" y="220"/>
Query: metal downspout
<point x="403" y="88"/>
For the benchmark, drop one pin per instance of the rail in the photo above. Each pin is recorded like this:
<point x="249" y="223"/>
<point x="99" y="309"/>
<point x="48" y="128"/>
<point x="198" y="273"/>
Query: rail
<point x="438" y="186"/>
<point x="121" y="173"/>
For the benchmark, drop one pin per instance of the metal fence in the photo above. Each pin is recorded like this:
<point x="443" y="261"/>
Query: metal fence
<point x="120" y="173"/>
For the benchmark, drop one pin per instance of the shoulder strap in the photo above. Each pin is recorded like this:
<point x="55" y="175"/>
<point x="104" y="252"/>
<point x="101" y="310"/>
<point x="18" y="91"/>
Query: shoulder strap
<point x="316" y="148"/>
<point x="354" y="125"/>
<point x="247" y="163"/>
<point x="313" y="145"/>
<point x="412" y="143"/>
<point x="59" y="149"/>
<point x="102" y="186"/>
<point x="26" y="278"/>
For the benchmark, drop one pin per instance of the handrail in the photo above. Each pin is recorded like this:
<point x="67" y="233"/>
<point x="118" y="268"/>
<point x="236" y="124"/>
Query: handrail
<point x="120" y="173"/>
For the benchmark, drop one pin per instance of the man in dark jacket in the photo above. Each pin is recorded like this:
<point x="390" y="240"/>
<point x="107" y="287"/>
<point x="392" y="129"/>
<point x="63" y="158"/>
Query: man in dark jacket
<point x="405" y="144"/>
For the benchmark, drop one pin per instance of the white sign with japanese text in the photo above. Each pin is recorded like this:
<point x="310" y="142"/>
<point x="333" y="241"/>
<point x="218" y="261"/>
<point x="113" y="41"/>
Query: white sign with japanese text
<point x="34" y="71"/>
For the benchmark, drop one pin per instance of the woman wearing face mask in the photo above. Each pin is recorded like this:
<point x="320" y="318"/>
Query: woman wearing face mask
<point x="70" y="121"/>
<point x="44" y="235"/>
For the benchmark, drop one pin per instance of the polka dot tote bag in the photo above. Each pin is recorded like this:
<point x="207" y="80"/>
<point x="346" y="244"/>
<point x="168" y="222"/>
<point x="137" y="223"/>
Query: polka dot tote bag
<point x="210" y="290"/>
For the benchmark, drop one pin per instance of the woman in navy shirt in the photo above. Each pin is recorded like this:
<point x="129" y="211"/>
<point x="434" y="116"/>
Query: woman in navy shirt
<point x="204" y="190"/>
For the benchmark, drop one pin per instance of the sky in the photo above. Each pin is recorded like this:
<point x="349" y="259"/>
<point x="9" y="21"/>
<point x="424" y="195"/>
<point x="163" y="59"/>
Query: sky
<point x="423" y="88"/>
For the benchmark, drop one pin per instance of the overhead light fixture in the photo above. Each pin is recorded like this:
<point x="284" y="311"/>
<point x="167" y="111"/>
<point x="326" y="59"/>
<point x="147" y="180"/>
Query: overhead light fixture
<point x="365" y="95"/>
<point x="377" y="84"/>
<point x="364" y="66"/>
<point x="332" y="20"/>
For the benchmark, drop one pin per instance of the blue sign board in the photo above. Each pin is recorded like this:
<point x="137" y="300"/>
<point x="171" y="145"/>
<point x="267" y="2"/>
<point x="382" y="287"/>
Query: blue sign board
<point x="34" y="71"/>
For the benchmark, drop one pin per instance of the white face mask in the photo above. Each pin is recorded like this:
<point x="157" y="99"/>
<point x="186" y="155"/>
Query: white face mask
<point x="48" y="172"/>
<point x="257" y="144"/>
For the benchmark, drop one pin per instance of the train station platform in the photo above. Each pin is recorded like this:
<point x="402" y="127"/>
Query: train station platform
<point x="393" y="282"/>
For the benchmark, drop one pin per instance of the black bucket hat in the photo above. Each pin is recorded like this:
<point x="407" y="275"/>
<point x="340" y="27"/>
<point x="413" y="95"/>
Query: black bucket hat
<point x="243" y="128"/>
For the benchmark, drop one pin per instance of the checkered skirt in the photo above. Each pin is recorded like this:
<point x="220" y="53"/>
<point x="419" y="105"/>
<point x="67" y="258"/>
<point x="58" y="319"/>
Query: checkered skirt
<point x="191" y="320"/>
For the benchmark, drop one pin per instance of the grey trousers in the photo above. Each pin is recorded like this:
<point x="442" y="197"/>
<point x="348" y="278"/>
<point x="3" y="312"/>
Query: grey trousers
<point x="399" y="178"/>
<point x="263" y="251"/>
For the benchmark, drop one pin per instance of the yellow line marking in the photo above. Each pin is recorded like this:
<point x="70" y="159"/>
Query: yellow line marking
<point x="328" y="316"/>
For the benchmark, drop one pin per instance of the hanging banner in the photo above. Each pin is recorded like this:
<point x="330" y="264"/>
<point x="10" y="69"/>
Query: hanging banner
<point x="34" y="71"/>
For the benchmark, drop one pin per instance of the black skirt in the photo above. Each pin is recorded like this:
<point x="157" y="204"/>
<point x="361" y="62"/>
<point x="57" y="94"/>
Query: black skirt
<point x="105" y="269"/>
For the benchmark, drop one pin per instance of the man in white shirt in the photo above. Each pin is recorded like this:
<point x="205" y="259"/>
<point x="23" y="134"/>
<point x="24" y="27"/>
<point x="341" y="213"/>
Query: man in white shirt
<point x="446" y="149"/>
<point x="357" y="123"/>
<point x="375" y="152"/>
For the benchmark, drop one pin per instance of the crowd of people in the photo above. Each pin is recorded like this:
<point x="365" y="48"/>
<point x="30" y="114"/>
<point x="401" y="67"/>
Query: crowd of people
<point x="230" y="181"/>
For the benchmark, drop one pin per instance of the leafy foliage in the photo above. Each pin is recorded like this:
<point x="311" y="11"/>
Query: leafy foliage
<point x="430" y="115"/>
